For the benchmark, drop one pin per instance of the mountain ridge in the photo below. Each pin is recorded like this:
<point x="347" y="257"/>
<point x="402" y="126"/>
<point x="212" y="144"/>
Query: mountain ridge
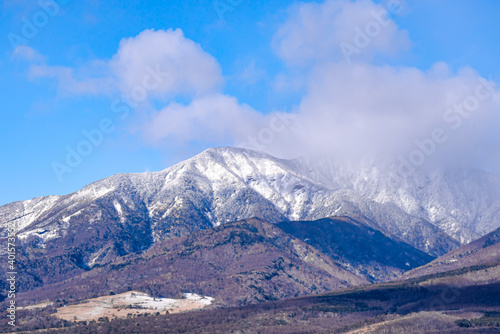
<point x="481" y="253"/>
<point x="217" y="186"/>
<point x="365" y="251"/>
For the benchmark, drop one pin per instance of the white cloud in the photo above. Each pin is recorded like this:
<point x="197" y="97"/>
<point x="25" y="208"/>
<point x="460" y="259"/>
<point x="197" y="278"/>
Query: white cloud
<point x="361" y="111"/>
<point x="212" y="118"/>
<point x="317" y="32"/>
<point x="182" y="64"/>
<point x="351" y="110"/>
<point x="364" y="112"/>
<point x="189" y="69"/>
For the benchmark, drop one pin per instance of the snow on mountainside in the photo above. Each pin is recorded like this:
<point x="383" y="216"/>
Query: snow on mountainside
<point x="463" y="203"/>
<point x="129" y="212"/>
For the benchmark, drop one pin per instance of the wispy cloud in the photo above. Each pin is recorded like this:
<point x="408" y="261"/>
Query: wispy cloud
<point x="75" y="81"/>
<point x="27" y="53"/>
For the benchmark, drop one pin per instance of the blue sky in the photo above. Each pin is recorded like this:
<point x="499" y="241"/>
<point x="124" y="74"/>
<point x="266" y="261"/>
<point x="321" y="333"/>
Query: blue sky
<point x="261" y="75"/>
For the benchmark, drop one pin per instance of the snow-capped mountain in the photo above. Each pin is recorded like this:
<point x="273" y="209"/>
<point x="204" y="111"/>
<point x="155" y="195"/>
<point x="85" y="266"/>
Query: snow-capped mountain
<point x="463" y="203"/>
<point x="129" y="212"/>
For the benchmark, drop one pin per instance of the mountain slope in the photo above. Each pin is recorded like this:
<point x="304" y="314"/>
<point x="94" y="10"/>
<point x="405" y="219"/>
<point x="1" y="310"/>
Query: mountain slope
<point x="482" y="253"/>
<point x="463" y="202"/>
<point x="237" y="263"/>
<point x="397" y="307"/>
<point x="126" y="213"/>
<point x="360" y="248"/>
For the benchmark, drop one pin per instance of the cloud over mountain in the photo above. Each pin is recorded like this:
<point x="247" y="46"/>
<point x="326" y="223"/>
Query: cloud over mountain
<point x="355" y="103"/>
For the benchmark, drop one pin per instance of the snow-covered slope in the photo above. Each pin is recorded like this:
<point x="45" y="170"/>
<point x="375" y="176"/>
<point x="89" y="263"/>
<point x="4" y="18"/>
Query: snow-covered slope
<point x="464" y="203"/>
<point x="227" y="184"/>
